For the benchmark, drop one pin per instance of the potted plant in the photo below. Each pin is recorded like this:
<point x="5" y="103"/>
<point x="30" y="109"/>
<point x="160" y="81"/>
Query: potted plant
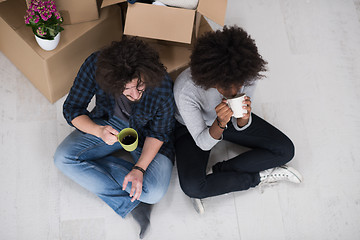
<point x="45" y="20"/>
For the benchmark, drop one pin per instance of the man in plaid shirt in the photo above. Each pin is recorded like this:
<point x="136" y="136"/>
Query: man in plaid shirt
<point x="133" y="90"/>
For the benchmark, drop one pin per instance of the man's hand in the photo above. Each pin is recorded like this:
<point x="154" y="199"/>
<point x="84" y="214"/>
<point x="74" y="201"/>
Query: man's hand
<point x="108" y="134"/>
<point x="223" y="112"/>
<point x="136" y="179"/>
<point x="245" y="119"/>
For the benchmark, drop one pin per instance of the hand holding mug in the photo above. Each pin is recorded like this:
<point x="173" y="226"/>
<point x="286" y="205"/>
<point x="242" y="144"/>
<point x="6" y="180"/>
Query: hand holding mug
<point x="108" y="134"/>
<point x="247" y="107"/>
<point x="223" y="112"/>
<point x="240" y="105"/>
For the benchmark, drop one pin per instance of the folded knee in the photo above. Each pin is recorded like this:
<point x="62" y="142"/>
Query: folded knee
<point x="287" y="151"/>
<point x="193" y="188"/>
<point x="154" y="193"/>
<point x="59" y="159"/>
<point x="62" y="159"/>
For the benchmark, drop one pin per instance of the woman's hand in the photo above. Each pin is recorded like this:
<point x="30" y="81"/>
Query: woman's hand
<point x="223" y="112"/>
<point x="245" y="118"/>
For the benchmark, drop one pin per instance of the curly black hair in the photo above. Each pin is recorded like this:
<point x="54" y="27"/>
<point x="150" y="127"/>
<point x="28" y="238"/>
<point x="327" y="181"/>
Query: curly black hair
<point x="226" y="58"/>
<point x="122" y="61"/>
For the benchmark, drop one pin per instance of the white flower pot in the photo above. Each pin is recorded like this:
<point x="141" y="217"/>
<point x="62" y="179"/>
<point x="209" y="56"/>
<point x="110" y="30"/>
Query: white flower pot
<point x="46" y="44"/>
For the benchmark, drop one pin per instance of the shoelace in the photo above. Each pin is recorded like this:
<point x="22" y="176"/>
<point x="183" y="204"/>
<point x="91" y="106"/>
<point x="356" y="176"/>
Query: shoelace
<point x="270" y="180"/>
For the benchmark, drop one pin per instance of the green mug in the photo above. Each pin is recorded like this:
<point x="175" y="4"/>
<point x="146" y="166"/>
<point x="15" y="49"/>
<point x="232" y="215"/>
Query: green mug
<point x="128" y="138"/>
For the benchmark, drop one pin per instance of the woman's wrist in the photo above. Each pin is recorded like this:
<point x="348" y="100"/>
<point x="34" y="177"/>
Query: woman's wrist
<point x="221" y="125"/>
<point x="242" y="122"/>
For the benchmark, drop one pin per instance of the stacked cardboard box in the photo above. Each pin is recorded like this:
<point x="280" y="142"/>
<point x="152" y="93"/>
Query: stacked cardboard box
<point x="53" y="73"/>
<point x="92" y="24"/>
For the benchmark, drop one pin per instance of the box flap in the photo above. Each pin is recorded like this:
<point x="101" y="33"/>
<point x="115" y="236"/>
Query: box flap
<point x="202" y="26"/>
<point x="106" y="3"/>
<point x="77" y="11"/>
<point x="174" y="56"/>
<point x="213" y="9"/>
<point x="159" y="22"/>
<point x="13" y="12"/>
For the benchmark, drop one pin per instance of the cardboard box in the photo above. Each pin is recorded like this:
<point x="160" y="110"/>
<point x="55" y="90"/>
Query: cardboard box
<point x="174" y="53"/>
<point x="176" y="56"/>
<point x="106" y="3"/>
<point x="77" y="11"/>
<point x="53" y="73"/>
<point x="170" y="23"/>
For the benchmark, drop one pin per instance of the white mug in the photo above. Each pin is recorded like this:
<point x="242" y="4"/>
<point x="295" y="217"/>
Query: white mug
<point x="236" y="104"/>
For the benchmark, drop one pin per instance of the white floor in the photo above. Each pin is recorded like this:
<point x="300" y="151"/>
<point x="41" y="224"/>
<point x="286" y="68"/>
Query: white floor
<point x="312" y="93"/>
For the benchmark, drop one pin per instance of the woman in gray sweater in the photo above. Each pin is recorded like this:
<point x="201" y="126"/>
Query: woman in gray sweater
<point x="224" y="64"/>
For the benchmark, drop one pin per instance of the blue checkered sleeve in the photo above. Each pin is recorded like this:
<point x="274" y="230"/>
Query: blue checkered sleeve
<point x="82" y="91"/>
<point x="163" y="123"/>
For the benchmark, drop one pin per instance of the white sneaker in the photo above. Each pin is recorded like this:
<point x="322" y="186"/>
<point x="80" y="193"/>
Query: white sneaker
<point x="198" y="205"/>
<point x="282" y="173"/>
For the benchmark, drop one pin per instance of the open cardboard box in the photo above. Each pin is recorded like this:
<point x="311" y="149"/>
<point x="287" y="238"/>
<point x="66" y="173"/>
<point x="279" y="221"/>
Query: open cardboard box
<point x="176" y="56"/>
<point x="170" y="23"/>
<point x="53" y="73"/>
<point x="164" y="29"/>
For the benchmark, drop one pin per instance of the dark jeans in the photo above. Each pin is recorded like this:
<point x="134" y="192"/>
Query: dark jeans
<point x="269" y="148"/>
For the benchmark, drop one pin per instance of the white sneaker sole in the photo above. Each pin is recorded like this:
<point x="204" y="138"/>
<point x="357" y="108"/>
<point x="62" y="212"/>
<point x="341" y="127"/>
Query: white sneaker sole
<point x="297" y="175"/>
<point x="198" y="205"/>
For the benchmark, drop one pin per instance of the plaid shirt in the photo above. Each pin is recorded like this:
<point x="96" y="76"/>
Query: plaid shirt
<point x="152" y="116"/>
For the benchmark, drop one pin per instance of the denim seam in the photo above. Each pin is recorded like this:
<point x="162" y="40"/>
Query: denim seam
<point x="88" y="148"/>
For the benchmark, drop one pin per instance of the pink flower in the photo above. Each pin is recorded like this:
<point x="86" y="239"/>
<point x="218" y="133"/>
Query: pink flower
<point x="43" y="16"/>
<point x="36" y="20"/>
<point x="30" y="12"/>
<point x="38" y="15"/>
<point x="57" y="15"/>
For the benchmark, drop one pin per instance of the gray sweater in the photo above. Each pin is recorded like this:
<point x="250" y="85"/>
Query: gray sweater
<point x="196" y="109"/>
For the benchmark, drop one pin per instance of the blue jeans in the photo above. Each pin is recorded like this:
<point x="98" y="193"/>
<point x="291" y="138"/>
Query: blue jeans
<point x="87" y="160"/>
